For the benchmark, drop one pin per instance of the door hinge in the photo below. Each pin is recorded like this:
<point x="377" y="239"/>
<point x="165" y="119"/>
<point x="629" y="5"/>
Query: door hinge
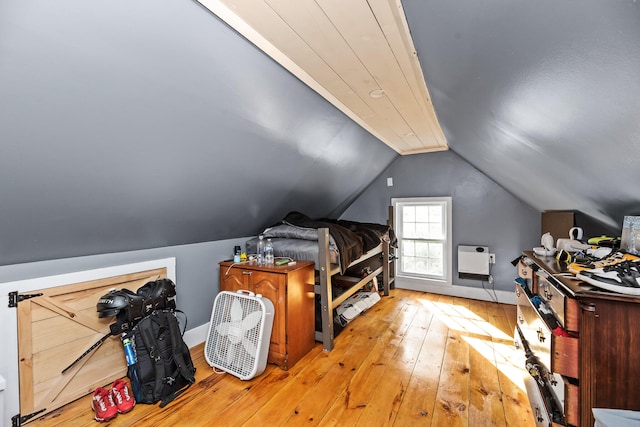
<point x="15" y="298"/>
<point x="18" y="420"/>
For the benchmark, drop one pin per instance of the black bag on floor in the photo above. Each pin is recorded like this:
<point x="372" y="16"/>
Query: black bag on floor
<point x="163" y="369"/>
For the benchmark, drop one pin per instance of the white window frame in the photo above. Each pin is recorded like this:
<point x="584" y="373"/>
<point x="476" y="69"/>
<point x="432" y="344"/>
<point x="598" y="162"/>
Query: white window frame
<point x="416" y="280"/>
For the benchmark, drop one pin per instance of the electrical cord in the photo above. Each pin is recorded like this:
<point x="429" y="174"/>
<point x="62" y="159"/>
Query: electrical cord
<point x="493" y="297"/>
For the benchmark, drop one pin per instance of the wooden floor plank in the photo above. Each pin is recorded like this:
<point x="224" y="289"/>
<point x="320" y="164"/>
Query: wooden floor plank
<point x="414" y="359"/>
<point x="366" y="382"/>
<point x="485" y="395"/>
<point x="398" y="363"/>
<point x="452" y="400"/>
<point x="417" y="406"/>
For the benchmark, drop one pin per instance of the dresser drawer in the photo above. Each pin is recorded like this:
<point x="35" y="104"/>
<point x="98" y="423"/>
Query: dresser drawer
<point x="558" y="354"/>
<point x="565" y="309"/>
<point x="525" y="271"/>
<point x="540" y="412"/>
<point x="572" y="404"/>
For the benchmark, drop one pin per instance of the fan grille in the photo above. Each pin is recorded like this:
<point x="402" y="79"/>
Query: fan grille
<point x="236" y="334"/>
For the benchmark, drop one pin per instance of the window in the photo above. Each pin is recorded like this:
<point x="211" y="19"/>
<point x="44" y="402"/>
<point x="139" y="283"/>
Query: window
<point x="423" y="228"/>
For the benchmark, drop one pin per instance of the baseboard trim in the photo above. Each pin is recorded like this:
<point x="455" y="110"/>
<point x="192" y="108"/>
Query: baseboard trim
<point x="196" y="336"/>
<point x="504" y="297"/>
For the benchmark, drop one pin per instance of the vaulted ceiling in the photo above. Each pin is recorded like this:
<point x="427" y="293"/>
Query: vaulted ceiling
<point x="357" y="54"/>
<point x="130" y="125"/>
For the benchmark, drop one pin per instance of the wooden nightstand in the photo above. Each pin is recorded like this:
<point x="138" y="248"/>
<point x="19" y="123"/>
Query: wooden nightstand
<point x="291" y="290"/>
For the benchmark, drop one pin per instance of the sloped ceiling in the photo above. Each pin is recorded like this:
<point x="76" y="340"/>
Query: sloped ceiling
<point x="543" y="96"/>
<point x="131" y="125"/>
<point x="357" y="54"/>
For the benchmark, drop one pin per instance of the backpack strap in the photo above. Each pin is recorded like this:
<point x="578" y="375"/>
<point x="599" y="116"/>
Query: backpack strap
<point x="177" y="347"/>
<point x="154" y="353"/>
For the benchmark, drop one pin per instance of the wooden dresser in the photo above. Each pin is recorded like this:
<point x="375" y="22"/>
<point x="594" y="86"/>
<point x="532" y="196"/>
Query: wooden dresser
<point x="291" y="290"/>
<point x="582" y="344"/>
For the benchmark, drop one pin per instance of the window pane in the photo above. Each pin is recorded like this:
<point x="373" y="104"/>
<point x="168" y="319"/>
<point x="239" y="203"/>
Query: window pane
<point x="408" y="248"/>
<point x="435" y="231"/>
<point x="435" y="213"/>
<point x="408" y="214"/>
<point x="409" y="265"/>
<point x="435" y="250"/>
<point x="422" y="230"/>
<point x="409" y="230"/>
<point x="435" y="267"/>
<point x="422" y="213"/>
<point x="422" y="249"/>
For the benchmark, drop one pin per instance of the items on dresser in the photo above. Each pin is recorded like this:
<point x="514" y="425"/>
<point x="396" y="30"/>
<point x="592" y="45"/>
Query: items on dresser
<point x="291" y="290"/>
<point x="583" y="340"/>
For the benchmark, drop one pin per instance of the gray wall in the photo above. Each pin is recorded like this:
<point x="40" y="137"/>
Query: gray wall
<point x="483" y="212"/>
<point x="197" y="271"/>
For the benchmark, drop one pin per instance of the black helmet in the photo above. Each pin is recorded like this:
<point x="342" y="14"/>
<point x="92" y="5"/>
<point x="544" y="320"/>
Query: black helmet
<point x="158" y="295"/>
<point x="123" y="303"/>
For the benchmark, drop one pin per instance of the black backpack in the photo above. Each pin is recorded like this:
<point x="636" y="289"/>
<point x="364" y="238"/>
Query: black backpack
<point x="163" y="368"/>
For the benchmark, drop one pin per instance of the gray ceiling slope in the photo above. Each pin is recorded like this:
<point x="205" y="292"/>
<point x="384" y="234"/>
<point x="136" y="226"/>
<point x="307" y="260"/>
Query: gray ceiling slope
<point x="132" y="125"/>
<point x="541" y="96"/>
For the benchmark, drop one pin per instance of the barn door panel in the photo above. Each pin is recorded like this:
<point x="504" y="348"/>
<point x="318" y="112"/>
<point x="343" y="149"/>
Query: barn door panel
<point x="55" y="328"/>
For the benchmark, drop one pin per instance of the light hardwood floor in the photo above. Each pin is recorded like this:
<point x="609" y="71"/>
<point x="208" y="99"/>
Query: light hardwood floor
<point x="414" y="359"/>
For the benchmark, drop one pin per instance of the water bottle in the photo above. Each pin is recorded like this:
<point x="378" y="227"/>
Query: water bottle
<point x="236" y="254"/>
<point x="128" y="352"/>
<point x="260" y="250"/>
<point x="132" y="371"/>
<point x="268" y="253"/>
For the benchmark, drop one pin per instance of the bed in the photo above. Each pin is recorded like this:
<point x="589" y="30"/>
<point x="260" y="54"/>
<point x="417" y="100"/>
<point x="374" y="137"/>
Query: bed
<point x="347" y="256"/>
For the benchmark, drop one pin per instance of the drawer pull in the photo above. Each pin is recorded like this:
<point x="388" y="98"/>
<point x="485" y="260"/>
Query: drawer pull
<point x="548" y="295"/>
<point x="521" y="319"/>
<point x="539" y="414"/>
<point x="517" y="292"/>
<point x="247" y="273"/>
<point x="541" y="336"/>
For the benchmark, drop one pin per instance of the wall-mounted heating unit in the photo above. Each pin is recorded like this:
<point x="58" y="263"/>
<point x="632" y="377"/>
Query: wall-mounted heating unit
<point x="473" y="262"/>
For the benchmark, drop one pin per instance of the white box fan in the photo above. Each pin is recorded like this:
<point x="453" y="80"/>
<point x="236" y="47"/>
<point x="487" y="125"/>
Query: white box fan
<point x="239" y="333"/>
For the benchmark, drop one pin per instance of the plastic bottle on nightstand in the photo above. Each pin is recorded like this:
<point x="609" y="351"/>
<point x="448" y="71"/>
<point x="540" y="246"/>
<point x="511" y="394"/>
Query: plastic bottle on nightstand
<point x="260" y="250"/>
<point x="268" y="253"/>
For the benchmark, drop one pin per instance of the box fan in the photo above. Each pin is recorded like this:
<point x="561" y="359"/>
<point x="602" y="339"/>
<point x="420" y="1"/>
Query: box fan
<point x="239" y="333"/>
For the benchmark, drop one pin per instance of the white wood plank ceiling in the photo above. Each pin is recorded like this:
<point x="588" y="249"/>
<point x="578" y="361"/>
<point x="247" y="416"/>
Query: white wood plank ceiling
<point x="358" y="54"/>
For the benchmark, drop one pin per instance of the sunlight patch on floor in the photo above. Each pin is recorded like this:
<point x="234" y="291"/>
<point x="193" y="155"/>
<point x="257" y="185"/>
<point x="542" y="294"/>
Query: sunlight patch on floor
<point x="464" y="320"/>
<point x="490" y="342"/>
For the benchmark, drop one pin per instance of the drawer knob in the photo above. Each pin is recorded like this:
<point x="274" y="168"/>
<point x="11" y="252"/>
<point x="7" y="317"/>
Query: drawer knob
<point x="541" y="336"/>
<point x="548" y="295"/>
<point x="539" y="414"/>
<point x="521" y="319"/>
<point x="517" y="292"/>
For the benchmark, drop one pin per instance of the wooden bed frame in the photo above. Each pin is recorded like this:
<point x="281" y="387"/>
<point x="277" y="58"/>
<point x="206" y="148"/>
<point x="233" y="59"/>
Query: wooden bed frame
<point x="327" y="271"/>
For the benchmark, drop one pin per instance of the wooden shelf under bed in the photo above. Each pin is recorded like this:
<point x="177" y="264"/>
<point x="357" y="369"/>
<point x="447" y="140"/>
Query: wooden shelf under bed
<point x="325" y="290"/>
